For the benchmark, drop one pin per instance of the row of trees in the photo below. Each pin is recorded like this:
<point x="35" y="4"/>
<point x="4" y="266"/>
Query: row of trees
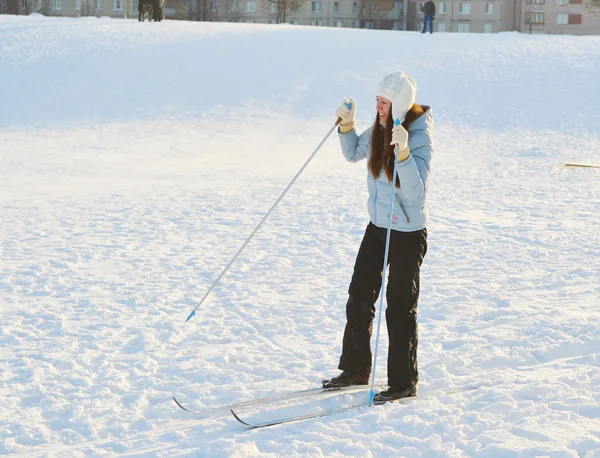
<point x="228" y="9"/>
<point x="369" y="10"/>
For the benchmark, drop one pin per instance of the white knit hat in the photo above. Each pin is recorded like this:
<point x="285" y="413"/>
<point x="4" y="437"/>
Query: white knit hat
<point x="401" y="90"/>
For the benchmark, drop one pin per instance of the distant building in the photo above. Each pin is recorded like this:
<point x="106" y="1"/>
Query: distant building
<point x="82" y="8"/>
<point x="574" y="17"/>
<point x="487" y="16"/>
<point x="577" y="17"/>
<point x="74" y="8"/>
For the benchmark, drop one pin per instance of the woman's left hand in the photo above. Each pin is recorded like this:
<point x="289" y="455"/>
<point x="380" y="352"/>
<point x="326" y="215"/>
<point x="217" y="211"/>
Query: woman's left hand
<point x="399" y="137"/>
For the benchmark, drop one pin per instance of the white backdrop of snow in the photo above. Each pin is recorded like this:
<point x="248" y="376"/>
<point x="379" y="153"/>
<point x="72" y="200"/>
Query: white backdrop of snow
<point x="137" y="158"/>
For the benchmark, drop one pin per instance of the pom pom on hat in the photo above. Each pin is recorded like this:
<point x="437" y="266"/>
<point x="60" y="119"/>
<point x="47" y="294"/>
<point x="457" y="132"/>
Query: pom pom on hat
<point x="401" y="90"/>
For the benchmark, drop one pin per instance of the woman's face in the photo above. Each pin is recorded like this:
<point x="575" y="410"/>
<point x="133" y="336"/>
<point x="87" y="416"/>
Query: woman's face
<point x="383" y="107"/>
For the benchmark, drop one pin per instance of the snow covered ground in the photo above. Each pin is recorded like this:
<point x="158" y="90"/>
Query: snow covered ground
<point x="137" y="158"/>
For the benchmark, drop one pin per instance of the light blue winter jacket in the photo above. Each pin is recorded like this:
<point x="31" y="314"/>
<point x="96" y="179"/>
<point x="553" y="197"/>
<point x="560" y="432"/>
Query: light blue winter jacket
<point x="410" y="203"/>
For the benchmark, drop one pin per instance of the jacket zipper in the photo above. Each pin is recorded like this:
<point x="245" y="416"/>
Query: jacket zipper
<point x="403" y="210"/>
<point x="400" y="202"/>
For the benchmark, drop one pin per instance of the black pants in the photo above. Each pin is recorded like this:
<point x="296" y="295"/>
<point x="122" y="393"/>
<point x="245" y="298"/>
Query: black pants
<point x="406" y="253"/>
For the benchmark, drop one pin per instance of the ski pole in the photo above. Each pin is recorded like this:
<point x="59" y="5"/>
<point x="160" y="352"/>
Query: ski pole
<point x="264" y="218"/>
<point x="385" y="263"/>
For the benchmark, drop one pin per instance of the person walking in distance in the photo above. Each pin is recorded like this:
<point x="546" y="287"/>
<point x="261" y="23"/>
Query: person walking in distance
<point x="429" y="15"/>
<point x="395" y="99"/>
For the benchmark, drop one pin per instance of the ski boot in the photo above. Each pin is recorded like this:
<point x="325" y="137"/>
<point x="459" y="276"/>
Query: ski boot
<point x="347" y="379"/>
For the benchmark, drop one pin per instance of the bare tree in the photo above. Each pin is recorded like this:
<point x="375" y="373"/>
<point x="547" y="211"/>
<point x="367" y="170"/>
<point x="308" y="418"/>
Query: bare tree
<point x="282" y="8"/>
<point x="226" y="10"/>
<point x="373" y="11"/>
<point x="88" y="8"/>
<point x="44" y="7"/>
<point x="594" y="7"/>
<point x="26" y="7"/>
<point x="234" y="11"/>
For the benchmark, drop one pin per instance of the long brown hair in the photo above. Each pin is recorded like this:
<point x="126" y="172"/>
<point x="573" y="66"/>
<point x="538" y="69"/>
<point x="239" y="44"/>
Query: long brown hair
<point x="382" y="153"/>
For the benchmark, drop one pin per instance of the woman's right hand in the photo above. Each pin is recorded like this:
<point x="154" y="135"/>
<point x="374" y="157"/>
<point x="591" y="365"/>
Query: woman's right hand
<point x="346" y="114"/>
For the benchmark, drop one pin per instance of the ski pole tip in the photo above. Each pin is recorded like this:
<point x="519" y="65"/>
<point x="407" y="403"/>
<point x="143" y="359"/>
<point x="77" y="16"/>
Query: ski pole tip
<point x="371" y="397"/>
<point x="190" y="316"/>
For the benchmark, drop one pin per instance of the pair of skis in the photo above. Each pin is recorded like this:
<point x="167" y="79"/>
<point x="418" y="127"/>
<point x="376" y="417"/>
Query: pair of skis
<point x="312" y="392"/>
<point x="279" y="397"/>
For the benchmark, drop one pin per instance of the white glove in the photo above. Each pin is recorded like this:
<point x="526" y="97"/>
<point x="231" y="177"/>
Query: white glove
<point x="346" y="115"/>
<point x="400" y="138"/>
